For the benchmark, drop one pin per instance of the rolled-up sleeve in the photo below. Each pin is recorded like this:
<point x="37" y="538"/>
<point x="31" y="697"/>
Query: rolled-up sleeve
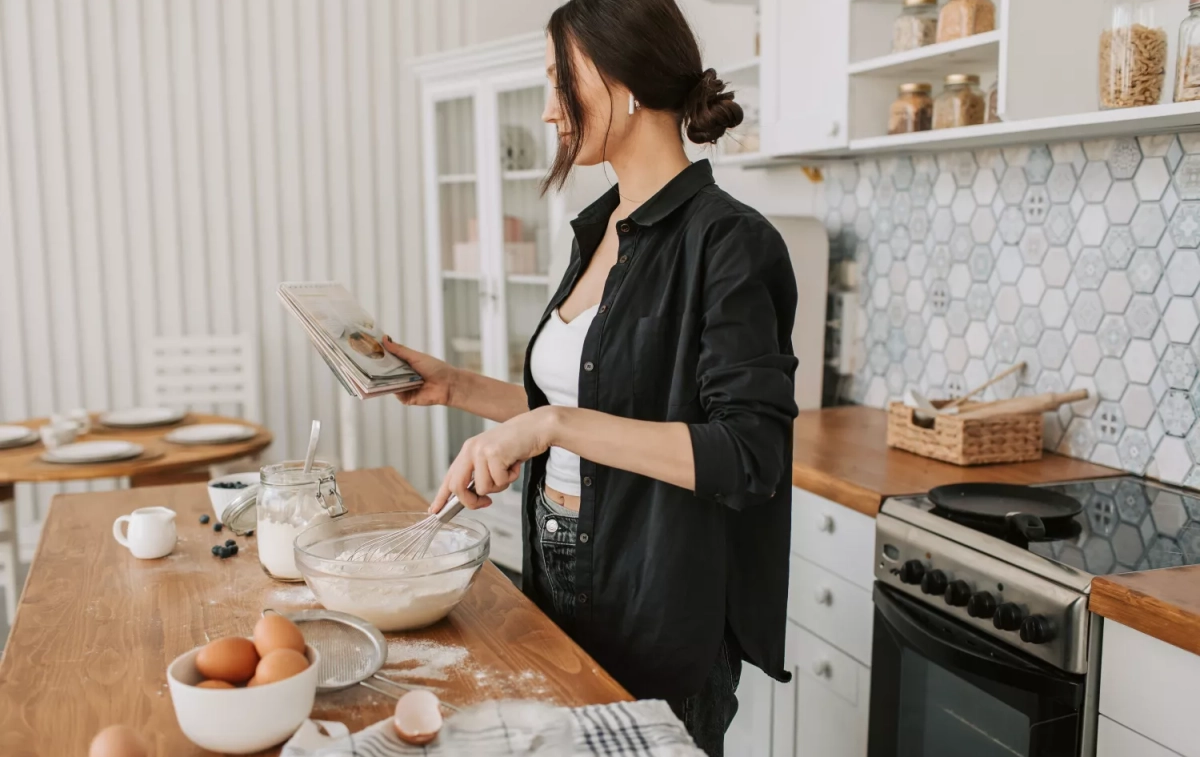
<point x="746" y="370"/>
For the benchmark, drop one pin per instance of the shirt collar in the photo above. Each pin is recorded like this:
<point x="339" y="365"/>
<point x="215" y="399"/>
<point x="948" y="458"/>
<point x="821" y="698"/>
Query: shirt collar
<point x="667" y="200"/>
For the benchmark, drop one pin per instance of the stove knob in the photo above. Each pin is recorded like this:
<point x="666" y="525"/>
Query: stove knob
<point x="958" y="594"/>
<point x="934" y="582"/>
<point x="982" y="605"/>
<point x="912" y="571"/>
<point x="1008" y="617"/>
<point x="1036" y="629"/>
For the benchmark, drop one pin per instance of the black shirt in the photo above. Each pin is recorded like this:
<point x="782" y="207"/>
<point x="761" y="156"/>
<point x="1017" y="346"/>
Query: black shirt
<point x="694" y="326"/>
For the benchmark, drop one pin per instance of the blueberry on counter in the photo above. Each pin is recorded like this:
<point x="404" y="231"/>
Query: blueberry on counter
<point x="230" y="542"/>
<point x="217" y="527"/>
<point x="216" y="550"/>
<point x="204" y="519"/>
<point x="224" y="552"/>
<point x="232" y="549"/>
<point x="250" y="532"/>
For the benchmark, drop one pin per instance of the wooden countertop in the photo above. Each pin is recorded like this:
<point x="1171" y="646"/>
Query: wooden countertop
<point x="842" y="454"/>
<point x="96" y="628"/>
<point x="1162" y="603"/>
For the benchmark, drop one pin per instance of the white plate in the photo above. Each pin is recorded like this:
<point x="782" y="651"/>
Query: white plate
<point x="211" y="433"/>
<point x="16" y="436"/>
<point x="93" y="452"/>
<point x="142" y="417"/>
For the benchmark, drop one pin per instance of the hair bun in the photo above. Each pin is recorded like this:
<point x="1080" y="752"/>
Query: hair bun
<point x="711" y="110"/>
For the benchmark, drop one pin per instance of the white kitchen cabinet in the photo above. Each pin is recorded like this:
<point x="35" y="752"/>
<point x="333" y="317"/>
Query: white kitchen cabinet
<point x="750" y="733"/>
<point x="834" y="537"/>
<point x="804" y="86"/>
<point x="487" y="228"/>
<point x="1115" y="740"/>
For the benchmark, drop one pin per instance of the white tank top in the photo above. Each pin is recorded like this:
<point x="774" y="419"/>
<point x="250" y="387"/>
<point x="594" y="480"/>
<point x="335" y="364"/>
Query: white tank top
<point x="554" y="364"/>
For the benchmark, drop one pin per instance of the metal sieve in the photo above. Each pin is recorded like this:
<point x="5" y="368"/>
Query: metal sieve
<point x="352" y="651"/>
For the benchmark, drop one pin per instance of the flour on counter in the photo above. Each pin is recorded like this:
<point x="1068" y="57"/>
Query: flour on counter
<point x="434" y="661"/>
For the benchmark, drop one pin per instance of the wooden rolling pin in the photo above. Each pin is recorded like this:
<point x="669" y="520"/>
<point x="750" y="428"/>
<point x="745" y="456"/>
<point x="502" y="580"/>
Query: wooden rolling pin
<point x="1038" y="403"/>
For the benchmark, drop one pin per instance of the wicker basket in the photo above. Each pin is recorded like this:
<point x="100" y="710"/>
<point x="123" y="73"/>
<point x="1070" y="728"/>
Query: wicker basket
<point x="1004" y="439"/>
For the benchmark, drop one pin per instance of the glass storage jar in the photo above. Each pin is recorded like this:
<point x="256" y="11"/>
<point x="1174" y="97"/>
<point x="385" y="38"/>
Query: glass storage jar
<point x="962" y="103"/>
<point x="916" y="26"/>
<point x="290" y="501"/>
<point x="993" y="103"/>
<point x="964" y="18"/>
<point x="1133" y="56"/>
<point x="1187" y="70"/>
<point x="913" y="109"/>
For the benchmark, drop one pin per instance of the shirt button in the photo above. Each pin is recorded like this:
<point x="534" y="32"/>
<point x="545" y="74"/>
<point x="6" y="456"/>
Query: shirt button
<point x="551" y="526"/>
<point x="624" y="228"/>
<point x="588" y="366"/>
<point x="624" y="259"/>
<point x="603" y="308"/>
<point x="583" y="538"/>
<point x="720" y="498"/>
<point x="587" y="480"/>
<point x="582" y="599"/>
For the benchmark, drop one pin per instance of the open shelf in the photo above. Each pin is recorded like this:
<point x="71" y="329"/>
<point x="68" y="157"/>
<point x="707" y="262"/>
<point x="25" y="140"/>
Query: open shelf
<point x="1090" y="125"/>
<point x="457" y="178"/>
<point x="529" y="279"/>
<point x="738" y="159"/>
<point x="460" y="276"/>
<point x="738" y="67"/>
<point x="531" y="174"/>
<point x="962" y="55"/>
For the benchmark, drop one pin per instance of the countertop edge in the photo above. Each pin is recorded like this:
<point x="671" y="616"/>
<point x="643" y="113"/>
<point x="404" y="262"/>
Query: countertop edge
<point x="1126" y="599"/>
<point x="838" y="490"/>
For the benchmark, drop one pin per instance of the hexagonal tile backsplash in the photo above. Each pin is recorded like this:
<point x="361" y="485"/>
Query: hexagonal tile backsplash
<point x="1080" y="259"/>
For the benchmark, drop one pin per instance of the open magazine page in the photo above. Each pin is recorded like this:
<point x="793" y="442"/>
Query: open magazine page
<point x="348" y="339"/>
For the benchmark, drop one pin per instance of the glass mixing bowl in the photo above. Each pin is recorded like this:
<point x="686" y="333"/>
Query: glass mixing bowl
<point x="393" y="595"/>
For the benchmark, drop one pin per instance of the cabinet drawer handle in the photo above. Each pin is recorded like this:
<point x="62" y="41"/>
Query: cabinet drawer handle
<point x="823" y="669"/>
<point x="827" y="524"/>
<point x="824" y="596"/>
<point x="837" y="128"/>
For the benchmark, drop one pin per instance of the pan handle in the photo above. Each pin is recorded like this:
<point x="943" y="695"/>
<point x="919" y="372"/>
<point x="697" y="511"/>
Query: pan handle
<point x="1029" y="526"/>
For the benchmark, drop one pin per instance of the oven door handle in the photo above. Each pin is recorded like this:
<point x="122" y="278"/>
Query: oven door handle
<point x="953" y="656"/>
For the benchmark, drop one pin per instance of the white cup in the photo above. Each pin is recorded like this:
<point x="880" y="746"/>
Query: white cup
<point x="80" y="418"/>
<point x="54" y="435"/>
<point x="151" y="532"/>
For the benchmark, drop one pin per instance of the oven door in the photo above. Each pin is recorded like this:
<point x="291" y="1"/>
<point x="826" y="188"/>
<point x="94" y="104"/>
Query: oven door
<point x="941" y="689"/>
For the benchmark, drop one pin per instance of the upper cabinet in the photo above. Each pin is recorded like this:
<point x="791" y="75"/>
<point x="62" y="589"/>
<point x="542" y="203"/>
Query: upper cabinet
<point x="805" y="54"/>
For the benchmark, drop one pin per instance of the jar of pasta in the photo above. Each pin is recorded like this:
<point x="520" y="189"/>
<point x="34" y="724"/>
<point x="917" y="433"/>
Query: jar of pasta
<point x="962" y="103"/>
<point x="913" y="109"/>
<point x="963" y="18"/>
<point x="1187" y="70"/>
<point x="1133" y="56"/>
<point x="916" y="26"/>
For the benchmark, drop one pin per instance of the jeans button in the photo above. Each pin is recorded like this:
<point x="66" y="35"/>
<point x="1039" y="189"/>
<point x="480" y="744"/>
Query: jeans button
<point x="551" y="526"/>
<point x="583" y="538"/>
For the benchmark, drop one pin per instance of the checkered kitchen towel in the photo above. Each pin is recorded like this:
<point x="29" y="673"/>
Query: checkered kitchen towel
<point x="495" y="729"/>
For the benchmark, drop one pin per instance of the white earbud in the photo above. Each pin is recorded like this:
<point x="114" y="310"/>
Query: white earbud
<point x="632" y="103"/>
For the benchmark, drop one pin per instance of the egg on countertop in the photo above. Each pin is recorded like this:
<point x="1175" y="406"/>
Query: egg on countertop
<point x="232" y="659"/>
<point x="278" y="665"/>
<point x="118" y="741"/>
<point x="418" y="717"/>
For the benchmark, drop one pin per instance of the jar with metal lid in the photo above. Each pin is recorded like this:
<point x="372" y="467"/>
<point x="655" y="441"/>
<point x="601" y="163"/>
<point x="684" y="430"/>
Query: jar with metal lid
<point x="916" y="26"/>
<point x="1187" y="70"/>
<point x="1133" y="56"/>
<point x="964" y="18"/>
<point x="286" y="502"/>
<point x="962" y="103"/>
<point x="913" y="109"/>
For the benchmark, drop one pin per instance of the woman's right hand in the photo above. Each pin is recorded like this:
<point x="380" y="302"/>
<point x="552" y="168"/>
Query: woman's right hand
<point x="440" y="377"/>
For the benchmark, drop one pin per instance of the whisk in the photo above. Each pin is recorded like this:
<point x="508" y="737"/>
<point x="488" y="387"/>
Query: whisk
<point x="408" y="543"/>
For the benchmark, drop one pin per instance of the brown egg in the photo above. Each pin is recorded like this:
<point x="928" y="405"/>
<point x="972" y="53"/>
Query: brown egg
<point x="215" y="685"/>
<point x="117" y="741"/>
<point x="273" y="632"/>
<point x="231" y="659"/>
<point x="278" y="665"/>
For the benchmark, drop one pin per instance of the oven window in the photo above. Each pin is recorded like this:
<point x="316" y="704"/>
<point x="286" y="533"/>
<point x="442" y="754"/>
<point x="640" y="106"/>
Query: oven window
<point x="942" y="715"/>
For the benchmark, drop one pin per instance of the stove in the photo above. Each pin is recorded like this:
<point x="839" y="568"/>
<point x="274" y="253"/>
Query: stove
<point x="983" y="638"/>
<point x="1033" y="595"/>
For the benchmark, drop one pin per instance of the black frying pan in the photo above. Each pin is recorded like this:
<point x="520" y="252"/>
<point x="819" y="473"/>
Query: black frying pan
<point x="1025" y="509"/>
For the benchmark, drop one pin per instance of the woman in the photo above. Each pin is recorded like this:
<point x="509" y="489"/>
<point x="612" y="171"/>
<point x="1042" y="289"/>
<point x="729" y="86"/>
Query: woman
<point x="658" y="398"/>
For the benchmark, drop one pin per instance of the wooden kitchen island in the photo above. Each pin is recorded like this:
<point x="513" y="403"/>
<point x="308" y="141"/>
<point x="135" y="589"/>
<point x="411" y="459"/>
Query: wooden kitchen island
<point x="96" y="628"/>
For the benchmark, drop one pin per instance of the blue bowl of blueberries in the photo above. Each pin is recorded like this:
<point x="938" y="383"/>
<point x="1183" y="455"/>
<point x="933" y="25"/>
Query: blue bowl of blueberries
<point x="224" y="490"/>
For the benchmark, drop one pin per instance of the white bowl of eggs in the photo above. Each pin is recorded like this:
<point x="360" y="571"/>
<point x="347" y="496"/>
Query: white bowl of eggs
<point x="241" y="695"/>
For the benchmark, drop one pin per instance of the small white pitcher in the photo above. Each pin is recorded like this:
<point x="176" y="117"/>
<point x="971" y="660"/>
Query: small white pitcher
<point x="151" y="532"/>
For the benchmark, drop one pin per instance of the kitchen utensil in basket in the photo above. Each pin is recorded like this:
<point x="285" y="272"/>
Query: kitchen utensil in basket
<point x="409" y="543"/>
<point x="352" y="651"/>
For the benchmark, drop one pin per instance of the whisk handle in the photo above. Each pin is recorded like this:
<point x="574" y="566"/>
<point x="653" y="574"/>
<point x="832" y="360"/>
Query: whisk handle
<point x="453" y="507"/>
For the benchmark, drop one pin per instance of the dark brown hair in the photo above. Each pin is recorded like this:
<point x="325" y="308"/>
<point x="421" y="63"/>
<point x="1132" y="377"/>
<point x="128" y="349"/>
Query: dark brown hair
<point x="647" y="47"/>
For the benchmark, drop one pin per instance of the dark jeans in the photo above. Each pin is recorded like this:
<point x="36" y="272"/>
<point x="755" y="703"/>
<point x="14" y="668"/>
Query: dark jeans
<point x="707" y="713"/>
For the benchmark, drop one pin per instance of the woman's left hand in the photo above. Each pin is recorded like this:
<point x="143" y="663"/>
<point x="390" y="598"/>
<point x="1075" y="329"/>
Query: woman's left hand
<point x="493" y="459"/>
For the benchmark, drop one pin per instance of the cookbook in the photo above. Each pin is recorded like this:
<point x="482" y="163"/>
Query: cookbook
<point x="347" y="339"/>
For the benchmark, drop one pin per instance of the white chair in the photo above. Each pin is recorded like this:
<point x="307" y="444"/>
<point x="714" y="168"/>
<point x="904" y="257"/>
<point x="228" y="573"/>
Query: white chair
<point x="8" y="551"/>
<point x="205" y="374"/>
